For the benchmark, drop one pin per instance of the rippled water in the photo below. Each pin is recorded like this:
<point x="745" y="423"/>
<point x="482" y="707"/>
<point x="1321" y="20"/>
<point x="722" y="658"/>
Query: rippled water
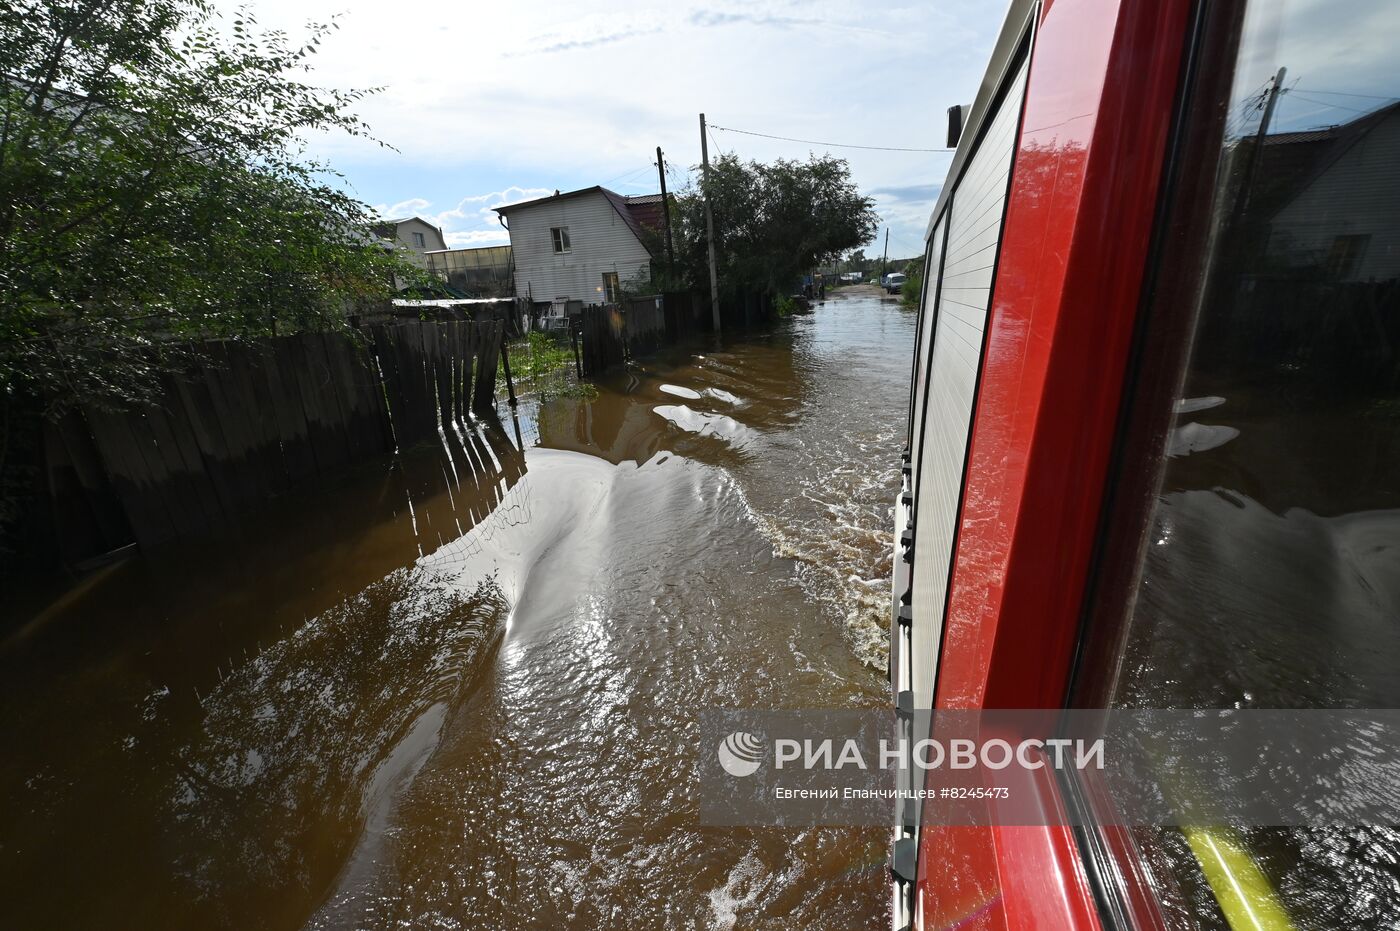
<point x="462" y="692"/>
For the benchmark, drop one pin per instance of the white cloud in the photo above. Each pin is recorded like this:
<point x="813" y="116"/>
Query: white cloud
<point x="475" y="238"/>
<point x="412" y="207"/>
<point x="540" y="92"/>
<point x="472" y="222"/>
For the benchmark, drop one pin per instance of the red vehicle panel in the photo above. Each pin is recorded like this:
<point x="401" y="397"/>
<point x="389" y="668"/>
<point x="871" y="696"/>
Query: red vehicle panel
<point x="1084" y="187"/>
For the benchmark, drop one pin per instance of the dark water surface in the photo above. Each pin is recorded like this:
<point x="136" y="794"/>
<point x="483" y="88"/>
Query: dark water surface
<point x="460" y="690"/>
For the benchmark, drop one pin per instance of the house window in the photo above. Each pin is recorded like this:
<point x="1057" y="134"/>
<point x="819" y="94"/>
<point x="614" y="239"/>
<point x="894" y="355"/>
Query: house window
<point x="560" y="234"/>
<point x="610" y="287"/>
<point x="1346" y="254"/>
<point x="419" y="241"/>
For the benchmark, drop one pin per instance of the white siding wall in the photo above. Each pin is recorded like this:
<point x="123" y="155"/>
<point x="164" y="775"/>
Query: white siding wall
<point x="600" y="240"/>
<point x="974" y="227"/>
<point x="432" y="239"/>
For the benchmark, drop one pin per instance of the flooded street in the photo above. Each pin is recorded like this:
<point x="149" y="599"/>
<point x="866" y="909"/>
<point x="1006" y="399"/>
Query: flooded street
<point x="461" y="689"/>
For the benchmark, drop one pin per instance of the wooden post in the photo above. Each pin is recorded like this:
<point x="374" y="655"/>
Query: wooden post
<point x="505" y="364"/>
<point x="665" y="212"/>
<point x="709" y="226"/>
<point x="573" y="338"/>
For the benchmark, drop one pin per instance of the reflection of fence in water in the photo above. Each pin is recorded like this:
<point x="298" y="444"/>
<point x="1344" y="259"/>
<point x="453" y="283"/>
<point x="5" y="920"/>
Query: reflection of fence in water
<point x="251" y="422"/>
<point x="506" y="500"/>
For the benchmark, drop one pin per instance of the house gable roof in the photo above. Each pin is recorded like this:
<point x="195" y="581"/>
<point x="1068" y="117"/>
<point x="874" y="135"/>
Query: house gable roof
<point x="636" y="212"/>
<point x="1313" y="153"/>
<point x="389" y="228"/>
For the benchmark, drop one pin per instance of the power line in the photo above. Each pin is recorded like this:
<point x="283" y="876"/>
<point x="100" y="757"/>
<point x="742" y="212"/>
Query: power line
<point x="709" y="131"/>
<point x="629" y="174"/>
<point x="1313" y="90"/>
<point x="1324" y="103"/>
<point x="832" y="145"/>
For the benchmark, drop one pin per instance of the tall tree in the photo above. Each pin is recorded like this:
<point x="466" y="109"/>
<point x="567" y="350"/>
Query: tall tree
<point x="154" y="189"/>
<point x="154" y="186"/>
<point x="773" y="222"/>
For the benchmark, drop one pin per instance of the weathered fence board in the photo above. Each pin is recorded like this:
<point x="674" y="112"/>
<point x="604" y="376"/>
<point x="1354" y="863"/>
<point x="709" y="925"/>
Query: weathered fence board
<point x="252" y="420"/>
<point x="601" y="339"/>
<point x="610" y="335"/>
<point x="644" y="325"/>
<point x="487" y="356"/>
<point x="82" y="495"/>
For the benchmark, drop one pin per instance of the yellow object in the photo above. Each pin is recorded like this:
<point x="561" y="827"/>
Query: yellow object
<point x="1243" y="891"/>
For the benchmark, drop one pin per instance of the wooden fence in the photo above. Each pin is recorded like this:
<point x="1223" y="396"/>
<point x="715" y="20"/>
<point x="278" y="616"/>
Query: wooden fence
<point x="601" y="343"/>
<point x="251" y="422"/>
<point x="611" y="334"/>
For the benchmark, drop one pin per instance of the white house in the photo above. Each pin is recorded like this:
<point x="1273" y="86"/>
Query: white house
<point x="416" y="234"/>
<point x="580" y="246"/>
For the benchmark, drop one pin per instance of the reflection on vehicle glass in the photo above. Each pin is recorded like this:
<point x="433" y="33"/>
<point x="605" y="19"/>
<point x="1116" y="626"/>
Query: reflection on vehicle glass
<point x="1271" y="575"/>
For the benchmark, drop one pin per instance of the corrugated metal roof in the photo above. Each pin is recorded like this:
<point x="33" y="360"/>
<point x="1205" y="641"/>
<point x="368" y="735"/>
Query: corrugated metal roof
<point x="448" y="301"/>
<point x="648" y="210"/>
<point x="1308" y="135"/>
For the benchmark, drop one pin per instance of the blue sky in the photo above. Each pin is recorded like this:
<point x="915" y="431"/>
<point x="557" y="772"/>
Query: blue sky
<point x="492" y="102"/>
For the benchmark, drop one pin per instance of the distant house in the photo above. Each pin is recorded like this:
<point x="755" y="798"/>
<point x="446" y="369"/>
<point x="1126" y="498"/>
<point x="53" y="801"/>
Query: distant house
<point x="581" y="246"/>
<point x="416" y="234"/>
<point x="416" y="237"/>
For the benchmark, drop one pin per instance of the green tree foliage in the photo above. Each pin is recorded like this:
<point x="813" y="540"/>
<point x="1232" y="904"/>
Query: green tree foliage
<point x="154" y="189"/>
<point x="912" y="289"/>
<point x="773" y="222"/>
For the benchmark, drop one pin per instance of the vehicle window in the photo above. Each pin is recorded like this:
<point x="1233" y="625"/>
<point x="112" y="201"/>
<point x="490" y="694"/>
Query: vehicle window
<point x="1268" y="575"/>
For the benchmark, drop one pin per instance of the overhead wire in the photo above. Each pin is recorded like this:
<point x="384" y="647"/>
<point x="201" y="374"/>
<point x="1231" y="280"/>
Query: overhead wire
<point x="1313" y="90"/>
<point x="1324" y="103"/>
<point x="831" y="145"/>
<point x="629" y="174"/>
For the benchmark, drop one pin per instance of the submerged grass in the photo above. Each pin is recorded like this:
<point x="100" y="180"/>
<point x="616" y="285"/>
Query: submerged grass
<point x="543" y="364"/>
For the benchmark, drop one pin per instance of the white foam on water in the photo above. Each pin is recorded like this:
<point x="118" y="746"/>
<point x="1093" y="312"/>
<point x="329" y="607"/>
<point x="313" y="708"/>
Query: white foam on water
<point x="719" y="394"/>
<point x="680" y="392"/>
<point x="748" y="884"/>
<point x="702" y="423"/>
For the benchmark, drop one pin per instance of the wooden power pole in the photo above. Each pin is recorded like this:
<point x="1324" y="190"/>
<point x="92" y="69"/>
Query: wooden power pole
<point x="709" y="226"/>
<point x="885" y="257"/>
<point x="666" y="212"/>
<point x="1247" y="189"/>
<point x="1271" y="103"/>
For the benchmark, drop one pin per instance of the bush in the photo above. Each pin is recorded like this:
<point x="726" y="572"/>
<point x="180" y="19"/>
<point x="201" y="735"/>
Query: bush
<point x="912" y="288"/>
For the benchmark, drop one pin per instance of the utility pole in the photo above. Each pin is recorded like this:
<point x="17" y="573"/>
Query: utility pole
<point x="885" y="257"/>
<point x="1272" y="102"/>
<point x="666" y="212"/>
<point x="709" y="226"/>
<point x="1247" y="189"/>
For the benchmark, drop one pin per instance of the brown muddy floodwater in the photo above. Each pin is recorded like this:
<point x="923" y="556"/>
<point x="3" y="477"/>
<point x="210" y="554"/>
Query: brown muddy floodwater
<point x="460" y="688"/>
